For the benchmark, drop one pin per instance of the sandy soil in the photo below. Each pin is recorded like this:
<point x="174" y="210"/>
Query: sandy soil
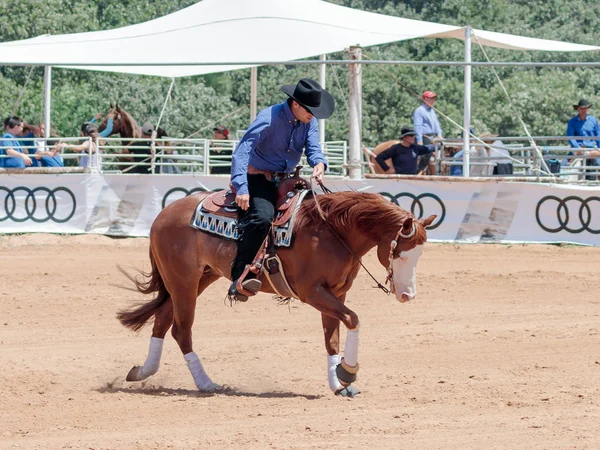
<point x="499" y="350"/>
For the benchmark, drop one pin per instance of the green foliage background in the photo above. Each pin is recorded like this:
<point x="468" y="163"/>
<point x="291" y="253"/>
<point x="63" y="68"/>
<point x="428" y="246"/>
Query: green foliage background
<point x="543" y="96"/>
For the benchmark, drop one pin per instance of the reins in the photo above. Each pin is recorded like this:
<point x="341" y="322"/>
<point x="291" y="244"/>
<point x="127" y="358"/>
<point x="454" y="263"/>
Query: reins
<point x="335" y="233"/>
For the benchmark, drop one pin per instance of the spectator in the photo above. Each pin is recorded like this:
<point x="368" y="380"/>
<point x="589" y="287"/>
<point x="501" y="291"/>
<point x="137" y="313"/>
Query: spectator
<point x="90" y="153"/>
<point x="584" y="124"/>
<point x="501" y="166"/>
<point x="427" y="127"/>
<point x="456" y="170"/>
<point x="220" y="133"/>
<point x="404" y="155"/>
<point x="16" y="157"/>
<point x="141" y="148"/>
<point x="42" y="156"/>
<point x="109" y="124"/>
<point x="169" y="166"/>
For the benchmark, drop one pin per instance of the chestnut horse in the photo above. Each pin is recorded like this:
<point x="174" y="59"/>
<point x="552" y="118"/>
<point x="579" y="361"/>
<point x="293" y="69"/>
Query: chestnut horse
<point x="330" y="239"/>
<point x="123" y="124"/>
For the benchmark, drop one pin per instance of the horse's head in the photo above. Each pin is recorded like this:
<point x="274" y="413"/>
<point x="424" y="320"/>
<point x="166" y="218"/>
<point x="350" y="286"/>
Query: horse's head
<point x="399" y="252"/>
<point x="123" y="123"/>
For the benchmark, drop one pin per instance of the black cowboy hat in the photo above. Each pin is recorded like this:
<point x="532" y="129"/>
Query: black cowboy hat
<point x="312" y="96"/>
<point x="407" y="131"/>
<point x="583" y="103"/>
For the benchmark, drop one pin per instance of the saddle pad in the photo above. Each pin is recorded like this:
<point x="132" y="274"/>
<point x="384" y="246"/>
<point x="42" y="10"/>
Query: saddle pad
<point x="226" y="227"/>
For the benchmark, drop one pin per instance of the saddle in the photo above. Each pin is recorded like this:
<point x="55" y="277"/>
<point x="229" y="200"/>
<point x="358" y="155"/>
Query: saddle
<point x="222" y="203"/>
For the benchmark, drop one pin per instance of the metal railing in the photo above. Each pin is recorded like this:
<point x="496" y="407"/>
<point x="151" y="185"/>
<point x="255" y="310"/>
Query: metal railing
<point x="165" y="156"/>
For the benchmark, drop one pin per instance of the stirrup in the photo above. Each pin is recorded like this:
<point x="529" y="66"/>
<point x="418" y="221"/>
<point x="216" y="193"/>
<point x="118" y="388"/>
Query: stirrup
<point x="240" y="291"/>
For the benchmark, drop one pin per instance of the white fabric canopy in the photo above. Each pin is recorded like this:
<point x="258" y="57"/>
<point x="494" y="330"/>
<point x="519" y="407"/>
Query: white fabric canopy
<point x="216" y="32"/>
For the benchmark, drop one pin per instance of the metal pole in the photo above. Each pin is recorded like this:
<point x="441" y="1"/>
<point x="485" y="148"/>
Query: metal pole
<point x="322" y="81"/>
<point x="467" y="112"/>
<point x="47" y="99"/>
<point x="355" y="74"/>
<point x="253" y="96"/>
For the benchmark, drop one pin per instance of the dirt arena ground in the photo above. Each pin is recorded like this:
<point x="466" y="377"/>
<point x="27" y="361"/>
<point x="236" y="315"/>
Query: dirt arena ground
<point x="499" y="350"/>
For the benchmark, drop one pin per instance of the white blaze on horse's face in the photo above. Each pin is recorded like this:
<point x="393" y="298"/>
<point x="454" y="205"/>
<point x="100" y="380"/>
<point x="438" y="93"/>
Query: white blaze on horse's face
<point x="405" y="274"/>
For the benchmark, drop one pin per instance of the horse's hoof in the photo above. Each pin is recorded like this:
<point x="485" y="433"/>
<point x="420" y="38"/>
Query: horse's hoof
<point x="135" y="374"/>
<point x="210" y="387"/>
<point x="348" y="391"/>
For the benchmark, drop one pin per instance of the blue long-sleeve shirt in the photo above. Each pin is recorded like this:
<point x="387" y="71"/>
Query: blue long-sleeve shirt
<point x="587" y="127"/>
<point x="274" y="142"/>
<point x="426" y="122"/>
<point x="109" y="127"/>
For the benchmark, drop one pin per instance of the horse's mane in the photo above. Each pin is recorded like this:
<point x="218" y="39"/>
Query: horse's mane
<point x="372" y="214"/>
<point x="133" y="125"/>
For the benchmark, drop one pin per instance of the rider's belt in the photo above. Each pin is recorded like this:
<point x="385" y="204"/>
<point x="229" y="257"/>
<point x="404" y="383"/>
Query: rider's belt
<point x="271" y="176"/>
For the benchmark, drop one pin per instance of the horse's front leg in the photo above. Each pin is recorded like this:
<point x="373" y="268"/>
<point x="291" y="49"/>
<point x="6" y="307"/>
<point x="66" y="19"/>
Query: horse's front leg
<point x="341" y="373"/>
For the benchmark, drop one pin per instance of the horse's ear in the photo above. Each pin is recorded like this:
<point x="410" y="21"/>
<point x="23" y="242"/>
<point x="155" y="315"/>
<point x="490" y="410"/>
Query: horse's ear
<point x="111" y="105"/>
<point x="117" y="107"/>
<point x="428" y="221"/>
<point x="407" y="226"/>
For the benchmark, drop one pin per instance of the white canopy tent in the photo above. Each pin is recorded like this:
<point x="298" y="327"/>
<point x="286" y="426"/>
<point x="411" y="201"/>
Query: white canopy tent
<point x="205" y="37"/>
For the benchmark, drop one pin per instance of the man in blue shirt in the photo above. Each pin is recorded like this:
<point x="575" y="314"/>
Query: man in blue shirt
<point x="270" y="150"/>
<point x="404" y="155"/>
<point x="427" y="126"/>
<point x="17" y="159"/>
<point x="584" y="125"/>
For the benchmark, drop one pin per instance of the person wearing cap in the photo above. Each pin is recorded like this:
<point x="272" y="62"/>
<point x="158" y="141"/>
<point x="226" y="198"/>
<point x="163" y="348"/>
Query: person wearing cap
<point x="584" y="124"/>
<point x="270" y="150"/>
<point x="140" y="148"/>
<point x="425" y="120"/>
<point x="220" y="133"/>
<point x="90" y="153"/>
<point x="404" y="154"/>
<point x="427" y="125"/>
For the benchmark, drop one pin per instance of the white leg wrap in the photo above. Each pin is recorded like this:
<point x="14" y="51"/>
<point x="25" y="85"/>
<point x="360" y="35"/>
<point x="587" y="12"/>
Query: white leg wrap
<point x="332" y="363"/>
<point x="351" y="349"/>
<point x="202" y="380"/>
<point x="153" y="360"/>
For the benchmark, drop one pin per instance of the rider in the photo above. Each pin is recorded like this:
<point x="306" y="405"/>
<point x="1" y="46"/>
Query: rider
<point x="270" y="150"/>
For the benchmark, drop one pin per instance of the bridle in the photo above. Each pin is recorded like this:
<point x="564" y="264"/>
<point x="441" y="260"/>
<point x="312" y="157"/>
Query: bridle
<point x="393" y="244"/>
<point x="390" y="268"/>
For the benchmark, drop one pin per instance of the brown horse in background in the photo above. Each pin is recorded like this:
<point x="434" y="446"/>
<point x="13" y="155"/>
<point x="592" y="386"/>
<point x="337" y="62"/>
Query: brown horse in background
<point x="320" y="268"/>
<point x="123" y="124"/>
<point x="372" y="154"/>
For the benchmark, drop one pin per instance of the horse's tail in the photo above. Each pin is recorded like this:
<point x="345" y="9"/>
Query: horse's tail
<point x="136" y="317"/>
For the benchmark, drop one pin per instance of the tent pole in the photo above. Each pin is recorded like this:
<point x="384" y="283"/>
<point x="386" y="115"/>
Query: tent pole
<point x="467" y="111"/>
<point x="355" y="75"/>
<point x="253" y="86"/>
<point x="322" y="82"/>
<point x="47" y="99"/>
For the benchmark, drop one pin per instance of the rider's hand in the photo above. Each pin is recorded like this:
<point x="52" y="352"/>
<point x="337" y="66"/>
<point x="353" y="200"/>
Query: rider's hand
<point x="318" y="171"/>
<point x="243" y="201"/>
<point x="98" y="116"/>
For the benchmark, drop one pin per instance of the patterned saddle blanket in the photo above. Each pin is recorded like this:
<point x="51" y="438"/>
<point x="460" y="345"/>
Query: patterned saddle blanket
<point x="217" y="214"/>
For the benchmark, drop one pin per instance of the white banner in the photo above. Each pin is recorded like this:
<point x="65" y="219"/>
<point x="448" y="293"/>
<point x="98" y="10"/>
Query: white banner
<point x="484" y="211"/>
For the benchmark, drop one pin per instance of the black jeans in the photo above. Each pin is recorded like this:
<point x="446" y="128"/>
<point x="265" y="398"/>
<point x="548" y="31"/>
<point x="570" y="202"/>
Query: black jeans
<point x="254" y="223"/>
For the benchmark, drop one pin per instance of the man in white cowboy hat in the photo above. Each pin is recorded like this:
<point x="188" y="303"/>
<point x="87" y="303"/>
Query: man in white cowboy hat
<point x="584" y="124"/>
<point x="269" y="151"/>
<point x="404" y="154"/>
<point x="427" y="125"/>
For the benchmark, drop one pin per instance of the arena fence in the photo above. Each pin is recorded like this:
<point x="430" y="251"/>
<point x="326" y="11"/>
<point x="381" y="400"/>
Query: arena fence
<point x="468" y="211"/>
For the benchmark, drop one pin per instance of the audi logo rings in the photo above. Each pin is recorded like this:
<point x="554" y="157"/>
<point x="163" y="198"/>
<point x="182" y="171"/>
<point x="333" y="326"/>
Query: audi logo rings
<point x="22" y="203"/>
<point x="167" y="200"/>
<point x="568" y="211"/>
<point x="433" y="206"/>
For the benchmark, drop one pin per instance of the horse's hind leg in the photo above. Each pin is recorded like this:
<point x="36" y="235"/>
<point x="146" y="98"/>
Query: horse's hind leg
<point x="163" y="319"/>
<point x="184" y="305"/>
